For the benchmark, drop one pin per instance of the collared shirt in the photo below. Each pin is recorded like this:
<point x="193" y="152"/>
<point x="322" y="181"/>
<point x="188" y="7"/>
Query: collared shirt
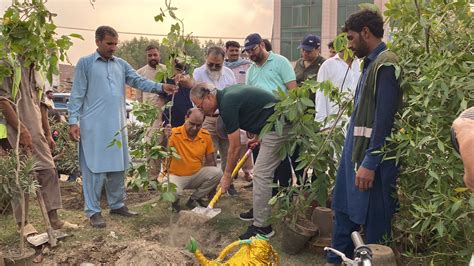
<point x="273" y="74"/>
<point x="92" y="70"/>
<point x="303" y="73"/>
<point x="191" y="151"/>
<point x="338" y="72"/>
<point x="226" y="79"/>
<point x="240" y="73"/>
<point x="148" y="72"/>
<point x="30" y="116"/>
<point x="97" y="103"/>
<point x="243" y="106"/>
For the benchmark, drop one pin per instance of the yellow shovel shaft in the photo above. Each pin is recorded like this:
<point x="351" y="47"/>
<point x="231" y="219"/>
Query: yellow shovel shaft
<point x="241" y="163"/>
<point x="215" y="198"/>
<point x="234" y="173"/>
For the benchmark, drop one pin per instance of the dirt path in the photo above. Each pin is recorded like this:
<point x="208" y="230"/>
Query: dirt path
<point x="156" y="237"/>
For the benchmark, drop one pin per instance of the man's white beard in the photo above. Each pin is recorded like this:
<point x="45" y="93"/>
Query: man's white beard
<point x="213" y="75"/>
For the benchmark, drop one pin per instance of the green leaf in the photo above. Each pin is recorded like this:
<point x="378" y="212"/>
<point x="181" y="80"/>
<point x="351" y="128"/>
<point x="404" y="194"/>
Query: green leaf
<point x="75" y="35"/>
<point x="307" y="102"/>
<point x="159" y="18"/>
<point x="192" y="245"/>
<point x="440" y="145"/>
<point x="168" y="196"/>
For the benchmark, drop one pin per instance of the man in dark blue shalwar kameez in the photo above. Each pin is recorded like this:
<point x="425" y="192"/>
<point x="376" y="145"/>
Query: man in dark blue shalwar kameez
<point x="365" y="185"/>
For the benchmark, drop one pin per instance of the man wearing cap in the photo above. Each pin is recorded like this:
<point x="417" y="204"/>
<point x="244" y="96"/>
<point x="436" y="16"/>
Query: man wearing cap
<point x="308" y="65"/>
<point x="196" y="169"/>
<point x="214" y="72"/>
<point x="270" y="71"/>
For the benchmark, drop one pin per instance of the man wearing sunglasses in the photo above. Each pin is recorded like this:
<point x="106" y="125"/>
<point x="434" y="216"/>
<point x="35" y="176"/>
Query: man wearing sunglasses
<point x="214" y="72"/>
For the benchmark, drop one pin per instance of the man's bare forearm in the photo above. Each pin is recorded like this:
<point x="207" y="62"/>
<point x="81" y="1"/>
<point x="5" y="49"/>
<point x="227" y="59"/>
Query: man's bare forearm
<point x="9" y="113"/>
<point x="44" y="120"/>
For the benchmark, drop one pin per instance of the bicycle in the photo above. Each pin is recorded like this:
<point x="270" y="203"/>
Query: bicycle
<point x="362" y="253"/>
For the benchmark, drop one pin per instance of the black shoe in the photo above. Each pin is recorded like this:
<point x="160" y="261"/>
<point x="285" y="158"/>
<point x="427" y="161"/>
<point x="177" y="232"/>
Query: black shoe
<point x="193" y="203"/>
<point x="175" y="206"/>
<point x="231" y="191"/>
<point x="97" y="221"/>
<point x="246" y="216"/>
<point x="124" y="211"/>
<point x="253" y="230"/>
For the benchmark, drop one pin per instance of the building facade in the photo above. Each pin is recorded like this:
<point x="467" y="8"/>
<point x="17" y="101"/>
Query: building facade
<point x="293" y="19"/>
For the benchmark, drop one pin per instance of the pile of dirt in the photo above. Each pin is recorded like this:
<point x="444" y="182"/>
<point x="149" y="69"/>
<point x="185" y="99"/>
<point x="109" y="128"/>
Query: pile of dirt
<point x="153" y="253"/>
<point x="99" y="251"/>
<point x="178" y="234"/>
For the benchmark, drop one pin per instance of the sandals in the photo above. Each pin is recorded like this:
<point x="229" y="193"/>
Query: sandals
<point x="28" y="230"/>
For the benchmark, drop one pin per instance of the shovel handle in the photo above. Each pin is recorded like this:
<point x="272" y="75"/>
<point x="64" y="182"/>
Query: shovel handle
<point x="215" y="198"/>
<point x="240" y="163"/>
<point x="234" y="173"/>
<point x="49" y="229"/>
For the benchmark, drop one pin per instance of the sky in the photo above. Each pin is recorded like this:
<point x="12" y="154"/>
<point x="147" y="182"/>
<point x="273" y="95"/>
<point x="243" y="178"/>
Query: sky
<point x="213" y="18"/>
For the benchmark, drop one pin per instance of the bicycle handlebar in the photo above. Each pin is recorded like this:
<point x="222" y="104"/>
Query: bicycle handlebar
<point x="357" y="239"/>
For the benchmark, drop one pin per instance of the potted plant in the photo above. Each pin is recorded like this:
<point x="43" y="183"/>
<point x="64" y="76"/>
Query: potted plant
<point x="319" y="145"/>
<point x="28" y="38"/>
<point x="17" y="176"/>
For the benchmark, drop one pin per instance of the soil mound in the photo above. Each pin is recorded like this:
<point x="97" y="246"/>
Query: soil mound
<point x="152" y="253"/>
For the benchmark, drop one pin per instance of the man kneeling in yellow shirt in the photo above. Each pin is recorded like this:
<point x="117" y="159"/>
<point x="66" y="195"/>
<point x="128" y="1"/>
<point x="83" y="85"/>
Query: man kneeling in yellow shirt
<point x="197" y="167"/>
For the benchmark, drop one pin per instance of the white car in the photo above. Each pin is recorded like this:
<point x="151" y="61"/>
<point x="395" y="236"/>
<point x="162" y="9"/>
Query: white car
<point x="60" y="100"/>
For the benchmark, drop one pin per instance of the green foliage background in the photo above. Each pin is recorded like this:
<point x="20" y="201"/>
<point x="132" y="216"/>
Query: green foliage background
<point x="133" y="51"/>
<point x="434" y="40"/>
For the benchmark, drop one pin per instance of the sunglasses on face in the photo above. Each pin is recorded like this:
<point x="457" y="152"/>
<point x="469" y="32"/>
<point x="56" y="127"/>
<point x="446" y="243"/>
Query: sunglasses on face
<point x="250" y="51"/>
<point x="213" y="65"/>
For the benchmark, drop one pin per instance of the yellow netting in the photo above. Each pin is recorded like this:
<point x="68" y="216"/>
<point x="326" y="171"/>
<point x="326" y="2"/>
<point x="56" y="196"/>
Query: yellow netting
<point x="252" y="252"/>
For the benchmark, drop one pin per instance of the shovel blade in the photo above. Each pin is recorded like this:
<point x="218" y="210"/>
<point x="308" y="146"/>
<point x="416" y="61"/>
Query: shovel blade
<point x="41" y="239"/>
<point x="209" y="212"/>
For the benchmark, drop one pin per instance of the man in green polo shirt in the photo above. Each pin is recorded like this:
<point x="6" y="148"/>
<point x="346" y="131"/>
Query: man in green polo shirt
<point x="243" y="107"/>
<point x="269" y="71"/>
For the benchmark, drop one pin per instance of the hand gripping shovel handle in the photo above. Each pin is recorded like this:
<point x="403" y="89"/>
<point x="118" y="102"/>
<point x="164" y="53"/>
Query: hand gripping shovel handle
<point x="234" y="173"/>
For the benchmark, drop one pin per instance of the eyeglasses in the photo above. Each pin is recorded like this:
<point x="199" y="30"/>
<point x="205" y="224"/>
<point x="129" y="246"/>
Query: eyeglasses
<point x="207" y="92"/>
<point x="250" y="51"/>
<point x="213" y="65"/>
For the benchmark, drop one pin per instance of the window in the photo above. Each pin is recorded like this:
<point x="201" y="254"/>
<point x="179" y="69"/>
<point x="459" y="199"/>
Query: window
<point x="300" y="16"/>
<point x="345" y="8"/>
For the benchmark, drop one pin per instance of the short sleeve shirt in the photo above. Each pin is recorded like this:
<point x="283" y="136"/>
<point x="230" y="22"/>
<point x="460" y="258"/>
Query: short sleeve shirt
<point x="243" y="106"/>
<point x="273" y="74"/>
<point x="191" y="151"/>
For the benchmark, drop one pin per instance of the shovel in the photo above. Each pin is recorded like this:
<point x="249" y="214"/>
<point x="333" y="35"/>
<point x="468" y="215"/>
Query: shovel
<point x="210" y="211"/>
<point x="51" y="238"/>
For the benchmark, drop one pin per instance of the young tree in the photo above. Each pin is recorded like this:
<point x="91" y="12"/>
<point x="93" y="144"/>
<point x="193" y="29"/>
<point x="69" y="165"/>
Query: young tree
<point x="133" y="51"/>
<point x="434" y="41"/>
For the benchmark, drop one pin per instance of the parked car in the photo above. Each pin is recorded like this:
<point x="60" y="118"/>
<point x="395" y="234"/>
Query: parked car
<point x="60" y="100"/>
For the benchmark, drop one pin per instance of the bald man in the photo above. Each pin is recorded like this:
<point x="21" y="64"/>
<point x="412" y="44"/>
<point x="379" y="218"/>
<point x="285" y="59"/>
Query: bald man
<point x="196" y="169"/>
<point x="464" y="129"/>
